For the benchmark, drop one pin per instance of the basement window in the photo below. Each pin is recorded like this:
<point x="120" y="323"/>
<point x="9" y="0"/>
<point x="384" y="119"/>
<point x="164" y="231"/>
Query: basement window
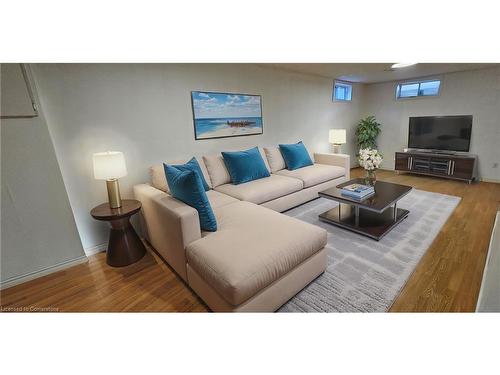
<point x="342" y="91"/>
<point x="417" y="89"/>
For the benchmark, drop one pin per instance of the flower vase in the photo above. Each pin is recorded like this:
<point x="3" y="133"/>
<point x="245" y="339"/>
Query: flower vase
<point x="371" y="177"/>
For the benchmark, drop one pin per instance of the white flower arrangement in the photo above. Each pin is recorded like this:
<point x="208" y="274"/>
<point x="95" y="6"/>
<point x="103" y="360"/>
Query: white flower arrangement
<point x="370" y="159"/>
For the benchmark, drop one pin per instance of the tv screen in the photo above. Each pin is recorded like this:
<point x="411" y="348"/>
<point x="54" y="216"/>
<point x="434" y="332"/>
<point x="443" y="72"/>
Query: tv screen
<point x="450" y="133"/>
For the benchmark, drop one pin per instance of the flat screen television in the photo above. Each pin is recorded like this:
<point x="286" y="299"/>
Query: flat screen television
<point x="447" y="133"/>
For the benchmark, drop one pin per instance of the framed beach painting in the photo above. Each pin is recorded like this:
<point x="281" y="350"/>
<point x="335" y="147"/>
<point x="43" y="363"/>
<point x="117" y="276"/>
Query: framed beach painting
<point x="220" y="115"/>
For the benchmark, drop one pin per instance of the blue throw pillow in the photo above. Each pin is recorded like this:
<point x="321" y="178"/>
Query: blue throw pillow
<point x="188" y="188"/>
<point x="244" y="166"/>
<point x="295" y="155"/>
<point x="193" y="165"/>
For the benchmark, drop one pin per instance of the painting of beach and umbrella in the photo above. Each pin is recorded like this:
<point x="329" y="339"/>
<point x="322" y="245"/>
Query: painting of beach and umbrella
<point x="218" y="115"/>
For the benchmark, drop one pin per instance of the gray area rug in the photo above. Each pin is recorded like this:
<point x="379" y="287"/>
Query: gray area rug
<point x="364" y="275"/>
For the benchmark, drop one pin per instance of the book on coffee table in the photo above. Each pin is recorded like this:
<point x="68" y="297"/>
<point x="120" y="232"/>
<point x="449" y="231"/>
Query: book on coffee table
<point x="357" y="190"/>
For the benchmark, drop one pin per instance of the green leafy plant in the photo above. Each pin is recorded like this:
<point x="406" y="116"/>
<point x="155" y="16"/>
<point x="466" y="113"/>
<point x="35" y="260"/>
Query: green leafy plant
<point x="367" y="132"/>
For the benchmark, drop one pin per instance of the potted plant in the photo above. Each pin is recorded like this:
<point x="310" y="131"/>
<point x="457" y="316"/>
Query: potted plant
<point x="370" y="160"/>
<point x="367" y="132"/>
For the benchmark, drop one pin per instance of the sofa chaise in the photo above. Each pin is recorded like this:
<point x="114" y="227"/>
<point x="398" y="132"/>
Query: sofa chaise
<point x="258" y="258"/>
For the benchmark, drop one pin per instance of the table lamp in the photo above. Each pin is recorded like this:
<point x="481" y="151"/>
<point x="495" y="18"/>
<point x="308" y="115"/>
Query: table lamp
<point x="110" y="166"/>
<point x="337" y="138"/>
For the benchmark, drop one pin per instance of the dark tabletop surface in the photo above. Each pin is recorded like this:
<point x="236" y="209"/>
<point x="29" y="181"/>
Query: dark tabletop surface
<point x="104" y="212"/>
<point x="386" y="194"/>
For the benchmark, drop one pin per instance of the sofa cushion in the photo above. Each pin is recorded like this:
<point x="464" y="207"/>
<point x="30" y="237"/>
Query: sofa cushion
<point x="159" y="181"/>
<point x="245" y="166"/>
<point x="296" y="155"/>
<point x="217" y="199"/>
<point x="187" y="187"/>
<point x="253" y="248"/>
<point x="275" y="159"/>
<point x="217" y="170"/>
<point x="314" y="174"/>
<point x="262" y="190"/>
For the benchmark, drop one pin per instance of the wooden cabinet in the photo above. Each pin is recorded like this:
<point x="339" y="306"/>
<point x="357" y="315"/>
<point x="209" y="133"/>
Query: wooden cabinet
<point x="455" y="166"/>
<point x="402" y="161"/>
<point x="463" y="168"/>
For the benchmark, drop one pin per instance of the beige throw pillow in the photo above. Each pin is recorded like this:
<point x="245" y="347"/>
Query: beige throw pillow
<point x="275" y="159"/>
<point x="217" y="170"/>
<point x="158" y="179"/>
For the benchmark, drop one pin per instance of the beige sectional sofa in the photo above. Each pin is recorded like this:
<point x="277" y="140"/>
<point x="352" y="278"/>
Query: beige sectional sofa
<point x="258" y="258"/>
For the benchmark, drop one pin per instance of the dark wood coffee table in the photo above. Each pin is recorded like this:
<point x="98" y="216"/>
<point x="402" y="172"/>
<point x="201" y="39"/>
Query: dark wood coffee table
<point x="374" y="216"/>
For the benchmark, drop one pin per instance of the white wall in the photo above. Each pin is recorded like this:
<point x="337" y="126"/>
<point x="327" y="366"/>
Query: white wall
<point x="144" y="110"/>
<point x="473" y="92"/>
<point x="38" y="228"/>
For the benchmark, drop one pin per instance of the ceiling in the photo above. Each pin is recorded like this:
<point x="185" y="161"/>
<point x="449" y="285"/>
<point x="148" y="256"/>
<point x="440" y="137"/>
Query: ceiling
<point x="376" y="72"/>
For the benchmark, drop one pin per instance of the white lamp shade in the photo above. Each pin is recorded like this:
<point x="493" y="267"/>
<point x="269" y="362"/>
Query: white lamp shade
<point x="337" y="136"/>
<point x="109" y="165"/>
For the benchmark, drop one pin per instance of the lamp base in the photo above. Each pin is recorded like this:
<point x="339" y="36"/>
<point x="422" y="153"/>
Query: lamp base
<point x="336" y="148"/>
<point x="114" y="198"/>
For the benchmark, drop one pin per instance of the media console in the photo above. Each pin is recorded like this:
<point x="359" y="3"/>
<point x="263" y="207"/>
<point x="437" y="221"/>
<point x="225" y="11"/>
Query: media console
<point x="455" y="166"/>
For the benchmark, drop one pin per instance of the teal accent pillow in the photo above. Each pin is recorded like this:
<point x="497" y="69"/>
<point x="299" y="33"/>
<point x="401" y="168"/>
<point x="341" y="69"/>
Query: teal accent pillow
<point x="193" y="165"/>
<point x="295" y="155"/>
<point x="187" y="187"/>
<point x="245" y="166"/>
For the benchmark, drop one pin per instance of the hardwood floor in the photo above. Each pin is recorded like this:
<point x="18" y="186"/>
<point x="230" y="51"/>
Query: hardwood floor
<point x="148" y="285"/>
<point x="449" y="275"/>
<point x="447" y="278"/>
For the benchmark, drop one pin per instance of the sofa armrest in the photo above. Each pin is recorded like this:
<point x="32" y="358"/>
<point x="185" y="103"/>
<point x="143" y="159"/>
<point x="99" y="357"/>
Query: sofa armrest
<point x="171" y="225"/>
<point x="340" y="160"/>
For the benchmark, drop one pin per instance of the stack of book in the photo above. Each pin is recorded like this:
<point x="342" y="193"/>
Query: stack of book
<point x="357" y="191"/>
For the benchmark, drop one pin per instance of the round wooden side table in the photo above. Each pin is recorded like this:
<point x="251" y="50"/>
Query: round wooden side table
<point x="124" y="247"/>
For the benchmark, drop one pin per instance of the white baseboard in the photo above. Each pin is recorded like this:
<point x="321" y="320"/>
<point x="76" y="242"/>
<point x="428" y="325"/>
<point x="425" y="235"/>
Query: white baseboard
<point x="490" y="180"/>
<point x="95" y="249"/>
<point x="44" y="271"/>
